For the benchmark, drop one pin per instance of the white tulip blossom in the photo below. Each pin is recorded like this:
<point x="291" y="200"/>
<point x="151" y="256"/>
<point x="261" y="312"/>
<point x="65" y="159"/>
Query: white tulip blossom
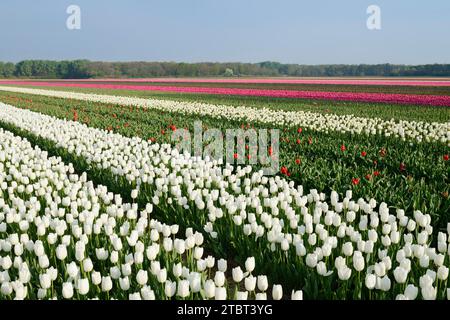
<point x="91" y="249"/>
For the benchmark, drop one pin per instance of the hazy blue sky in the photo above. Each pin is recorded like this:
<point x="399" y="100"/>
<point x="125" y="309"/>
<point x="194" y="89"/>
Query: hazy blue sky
<point x="290" y="31"/>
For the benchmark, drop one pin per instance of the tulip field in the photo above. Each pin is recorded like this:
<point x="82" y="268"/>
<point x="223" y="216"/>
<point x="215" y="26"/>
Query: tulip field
<point x="96" y="202"/>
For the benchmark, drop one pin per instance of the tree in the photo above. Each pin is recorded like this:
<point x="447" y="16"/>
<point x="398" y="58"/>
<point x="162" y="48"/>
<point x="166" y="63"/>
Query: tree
<point x="228" y="72"/>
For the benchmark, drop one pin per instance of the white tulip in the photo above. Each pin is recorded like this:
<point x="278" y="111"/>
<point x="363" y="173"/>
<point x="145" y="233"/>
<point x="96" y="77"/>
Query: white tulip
<point x="222" y="265"/>
<point x="96" y="278"/>
<point x="220" y="293"/>
<point x="45" y="281"/>
<point x="262" y="283"/>
<point x="142" y="277"/>
<point x="170" y="288"/>
<point x="183" y="288"/>
<point x="442" y="273"/>
<point x="83" y="286"/>
<point x="106" y="284"/>
<point x="411" y="292"/>
<point x="250" y="283"/>
<point x="67" y="290"/>
<point x="219" y="278"/>
<point x="124" y="283"/>
<point x="209" y="288"/>
<point x="88" y="265"/>
<point x="237" y="274"/>
<point x="400" y="275"/>
<point x="297" y="295"/>
<point x="277" y="292"/>
<point x="250" y="264"/>
<point x="371" y="280"/>
<point x="242" y="295"/>
<point x="61" y="252"/>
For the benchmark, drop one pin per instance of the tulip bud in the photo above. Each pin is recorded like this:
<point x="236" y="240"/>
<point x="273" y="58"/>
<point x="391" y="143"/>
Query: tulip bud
<point x="210" y="289"/>
<point x="237" y="274"/>
<point x="6" y="288"/>
<point x="222" y="265"/>
<point x="61" y="252"/>
<point x="183" y="288"/>
<point x="261" y="296"/>
<point x="124" y="283"/>
<point x="45" y="281"/>
<point x="96" y="278"/>
<point x="429" y="293"/>
<point x="442" y="273"/>
<point x="220" y="293"/>
<point x="67" y="290"/>
<point x="250" y="283"/>
<point x="241" y="295"/>
<point x="170" y="288"/>
<point x="262" y="283"/>
<point x="411" y="292"/>
<point x="126" y="269"/>
<point x="106" y="284"/>
<point x="250" y="264"/>
<point x="385" y="283"/>
<point x="83" y="286"/>
<point x="142" y="277"/>
<point x="297" y="295"/>
<point x="371" y="281"/>
<point x="277" y="292"/>
<point x="41" y="293"/>
<point x="219" y="279"/>
<point x="177" y="270"/>
<point x="87" y="265"/>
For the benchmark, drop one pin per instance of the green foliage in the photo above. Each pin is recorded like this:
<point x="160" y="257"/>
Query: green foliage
<point x="79" y="69"/>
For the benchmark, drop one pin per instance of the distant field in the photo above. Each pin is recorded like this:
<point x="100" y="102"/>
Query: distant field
<point x="379" y="110"/>
<point x="378" y="94"/>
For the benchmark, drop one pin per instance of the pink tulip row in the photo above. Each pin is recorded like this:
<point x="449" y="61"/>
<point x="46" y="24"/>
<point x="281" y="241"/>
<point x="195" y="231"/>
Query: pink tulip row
<point x="375" y="82"/>
<point x="414" y="99"/>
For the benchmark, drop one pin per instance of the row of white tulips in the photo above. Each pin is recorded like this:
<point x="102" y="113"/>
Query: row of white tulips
<point x="63" y="237"/>
<point x="413" y="130"/>
<point x="376" y="251"/>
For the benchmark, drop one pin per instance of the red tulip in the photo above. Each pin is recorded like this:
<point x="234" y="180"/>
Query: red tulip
<point x="298" y="141"/>
<point x="235" y="155"/>
<point x="284" y="170"/>
<point x="376" y="173"/>
<point x="299" y="130"/>
<point x="343" y="148"/>
<point x="355" y="181"/>
<point x="368" y="176"/>
<point x="298" y="161"/>
<point x="445" y="157"/>
<point x="363" y="154"/>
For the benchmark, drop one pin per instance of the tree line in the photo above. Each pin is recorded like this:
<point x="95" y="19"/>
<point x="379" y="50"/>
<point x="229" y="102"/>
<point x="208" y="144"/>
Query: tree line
<point x="81" y="69"/>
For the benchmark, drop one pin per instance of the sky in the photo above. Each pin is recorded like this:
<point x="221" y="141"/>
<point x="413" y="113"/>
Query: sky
<point x="287" y="31"/>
